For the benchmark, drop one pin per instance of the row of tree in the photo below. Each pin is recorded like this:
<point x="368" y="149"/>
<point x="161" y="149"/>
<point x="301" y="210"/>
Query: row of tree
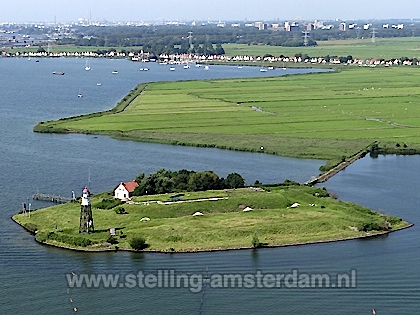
<point x="205" y="40"/>
<point x="166" y="181"/>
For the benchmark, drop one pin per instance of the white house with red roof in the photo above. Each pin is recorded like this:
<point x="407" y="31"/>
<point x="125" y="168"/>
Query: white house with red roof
<point x="125" y="190"/>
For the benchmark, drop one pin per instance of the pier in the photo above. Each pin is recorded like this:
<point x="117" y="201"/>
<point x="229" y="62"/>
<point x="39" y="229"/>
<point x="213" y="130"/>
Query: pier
<point x="338" y="168"/>
<point x="52" y="198"/>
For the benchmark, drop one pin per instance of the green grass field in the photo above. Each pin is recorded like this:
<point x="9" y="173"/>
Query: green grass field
<point x="385" y="48"/>
<point x="324" y="116"/>
<point x="223" y="224"/>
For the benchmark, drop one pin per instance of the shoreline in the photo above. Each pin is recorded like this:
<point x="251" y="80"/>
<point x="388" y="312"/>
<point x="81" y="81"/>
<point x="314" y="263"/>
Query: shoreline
<point x="102" y="250"/>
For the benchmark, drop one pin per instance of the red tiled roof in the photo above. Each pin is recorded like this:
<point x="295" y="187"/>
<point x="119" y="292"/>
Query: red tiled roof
<point x="130" y="186"/>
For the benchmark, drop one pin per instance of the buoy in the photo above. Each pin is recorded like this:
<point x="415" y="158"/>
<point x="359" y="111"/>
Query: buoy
<point x="75" y="309"/>
<point x="71" y="300"/>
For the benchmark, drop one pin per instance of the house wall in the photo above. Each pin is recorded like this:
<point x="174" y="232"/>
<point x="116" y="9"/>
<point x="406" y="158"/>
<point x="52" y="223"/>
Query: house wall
<point x="121" y="193"/>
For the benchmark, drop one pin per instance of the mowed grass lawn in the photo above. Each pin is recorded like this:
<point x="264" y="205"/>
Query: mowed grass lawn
<point x="223" y="224"/>
<point x="323" y="115"/>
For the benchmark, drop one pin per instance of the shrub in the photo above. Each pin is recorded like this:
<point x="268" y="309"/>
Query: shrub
<point x="120" y="211"/>
<point x="41" y="237"/>
<point x="255" y="241"/>
<point x="375" y="226"/>
<point x="112" y="240"/>
<point x="138" y="243"/>
<point x="64" y="238"/>
<point x="108" y="203"/>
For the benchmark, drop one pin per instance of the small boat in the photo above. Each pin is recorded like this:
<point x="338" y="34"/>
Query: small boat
<point x="79" y="95"/>
<point x="58" y="72"/>
<point x="172" y="68"/>
<point x="263" y="70"/>
<point x="144" y="69"/>
<point x="186" y="67"/>
<point x="206" y="68"/>
<point x="115" y="72"/>
<point x="87" y="67"/>
<point x="99" y="84"/>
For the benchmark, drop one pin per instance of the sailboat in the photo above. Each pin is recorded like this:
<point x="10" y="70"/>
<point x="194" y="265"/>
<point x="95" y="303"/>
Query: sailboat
<point x="87" y="67"/>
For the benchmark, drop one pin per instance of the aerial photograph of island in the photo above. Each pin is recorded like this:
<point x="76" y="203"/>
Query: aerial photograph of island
<point x="210" y="158"/>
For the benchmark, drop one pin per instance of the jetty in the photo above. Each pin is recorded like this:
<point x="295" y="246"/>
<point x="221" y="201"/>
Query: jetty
<point x="52" y="198"/>
<point x="338" y="168"/>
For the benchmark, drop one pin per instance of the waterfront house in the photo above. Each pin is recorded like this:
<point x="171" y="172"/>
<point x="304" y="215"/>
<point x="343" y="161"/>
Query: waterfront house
<point x="125" y="190"/>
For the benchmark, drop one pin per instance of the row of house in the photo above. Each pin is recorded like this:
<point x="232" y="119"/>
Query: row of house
<point x="196" y="58"/>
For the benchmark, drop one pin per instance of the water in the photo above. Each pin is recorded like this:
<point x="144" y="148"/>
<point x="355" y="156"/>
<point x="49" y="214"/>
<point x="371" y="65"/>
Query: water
<point x="33" y="276"/>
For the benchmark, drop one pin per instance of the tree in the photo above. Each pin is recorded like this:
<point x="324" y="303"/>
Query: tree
<point x="219" y="50"/>
<point x="234" y="180"/>
<point x="206" y="180"/>
<point x="138" y="243"/>
<point x="181" y="178"/>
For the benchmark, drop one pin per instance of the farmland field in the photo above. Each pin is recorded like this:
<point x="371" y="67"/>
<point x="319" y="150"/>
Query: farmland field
<point x="385" y="48"/>
<point x="324" y="115"/>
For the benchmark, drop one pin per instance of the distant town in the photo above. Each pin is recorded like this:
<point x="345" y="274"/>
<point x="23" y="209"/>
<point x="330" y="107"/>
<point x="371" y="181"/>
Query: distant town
<point x="195" y="42"/>
<point x="86" y="32"/>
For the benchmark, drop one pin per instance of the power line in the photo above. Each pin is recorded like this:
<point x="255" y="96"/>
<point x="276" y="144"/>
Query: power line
<point x="305" y="38"/>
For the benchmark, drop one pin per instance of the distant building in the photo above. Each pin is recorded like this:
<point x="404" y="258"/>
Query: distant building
<point x="261" y="26"/>
<point x="125" y="190"/>
<point x="342" y="26"/>
<point x="310" y="27"/>
<point x="290" y="26"/>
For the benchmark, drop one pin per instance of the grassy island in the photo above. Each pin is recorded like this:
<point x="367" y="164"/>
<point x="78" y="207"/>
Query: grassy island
<point x="329" y="116"/>
<point x="237" y="218"/>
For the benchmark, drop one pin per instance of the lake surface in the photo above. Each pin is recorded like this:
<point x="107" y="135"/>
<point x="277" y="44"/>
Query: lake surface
<point x="34" y="276"/>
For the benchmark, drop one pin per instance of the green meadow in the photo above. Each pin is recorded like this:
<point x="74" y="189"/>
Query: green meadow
<point x="327" y="116"/>
<point x="382" y="48"/>
<point x="223" y="225"/>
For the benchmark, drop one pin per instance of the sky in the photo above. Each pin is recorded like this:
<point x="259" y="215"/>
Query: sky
<point x="199" y="10"/>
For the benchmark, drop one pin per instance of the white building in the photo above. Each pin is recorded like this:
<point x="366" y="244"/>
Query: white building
<point x="125" y="190"/>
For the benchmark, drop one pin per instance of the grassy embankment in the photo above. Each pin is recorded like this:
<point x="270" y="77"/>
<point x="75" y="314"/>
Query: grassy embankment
<point x="327" y="116"/>
<point x="223" y="225"/>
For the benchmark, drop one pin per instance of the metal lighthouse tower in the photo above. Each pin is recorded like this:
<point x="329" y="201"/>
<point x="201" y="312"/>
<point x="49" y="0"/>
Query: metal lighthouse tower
<point x="86" y="219"/>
